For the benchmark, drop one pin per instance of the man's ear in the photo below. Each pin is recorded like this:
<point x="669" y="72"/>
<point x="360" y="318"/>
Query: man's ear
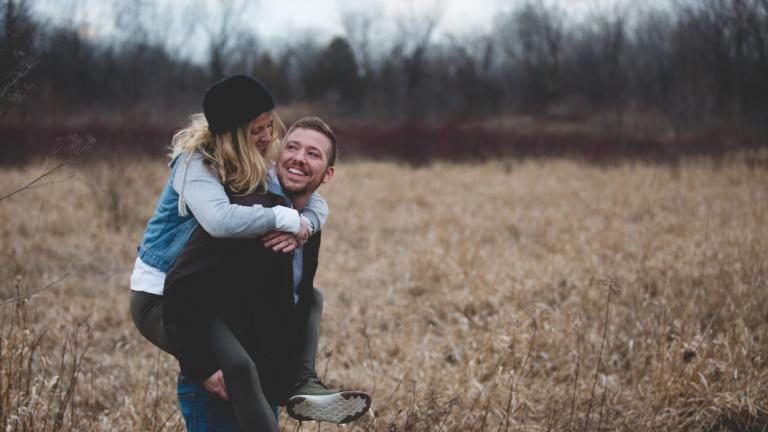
<point x="328" y="174"/>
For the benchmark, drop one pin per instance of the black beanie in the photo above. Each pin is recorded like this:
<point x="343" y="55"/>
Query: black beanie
<point x="234" y="101"/>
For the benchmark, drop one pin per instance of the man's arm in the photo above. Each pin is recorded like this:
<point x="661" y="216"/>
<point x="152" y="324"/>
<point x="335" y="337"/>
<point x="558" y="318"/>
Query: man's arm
<point x="316" y="212"/>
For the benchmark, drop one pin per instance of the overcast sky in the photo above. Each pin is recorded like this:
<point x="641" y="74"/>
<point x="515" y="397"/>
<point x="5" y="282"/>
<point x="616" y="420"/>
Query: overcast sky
<point x="274" y="20"/>
<point x="458" y="16"/>
<point x="275" y="16"/>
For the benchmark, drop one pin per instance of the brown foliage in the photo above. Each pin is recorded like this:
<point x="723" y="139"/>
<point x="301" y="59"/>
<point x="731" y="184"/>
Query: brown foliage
<point x="465" y="297"/>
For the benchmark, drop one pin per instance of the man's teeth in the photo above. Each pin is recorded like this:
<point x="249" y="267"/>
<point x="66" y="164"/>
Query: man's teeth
<point x="295" y="171"/>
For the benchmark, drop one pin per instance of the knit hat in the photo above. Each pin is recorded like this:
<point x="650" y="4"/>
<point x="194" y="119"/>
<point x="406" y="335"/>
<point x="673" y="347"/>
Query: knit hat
<point x="235" y="100"/>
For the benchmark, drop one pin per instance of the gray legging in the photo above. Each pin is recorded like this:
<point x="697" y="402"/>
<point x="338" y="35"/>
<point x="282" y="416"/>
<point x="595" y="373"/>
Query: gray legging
<point x="251" y="408"/>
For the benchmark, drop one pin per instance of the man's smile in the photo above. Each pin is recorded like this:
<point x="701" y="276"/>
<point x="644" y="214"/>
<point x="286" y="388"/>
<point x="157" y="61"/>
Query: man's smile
<point x="297" y="171"/>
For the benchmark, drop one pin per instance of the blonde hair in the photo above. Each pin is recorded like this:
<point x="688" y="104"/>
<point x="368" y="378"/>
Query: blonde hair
<point x="230" y="156"/>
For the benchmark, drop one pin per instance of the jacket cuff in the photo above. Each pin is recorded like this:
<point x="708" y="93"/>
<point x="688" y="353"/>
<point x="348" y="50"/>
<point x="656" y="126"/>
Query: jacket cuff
<point x="287" y="219"/>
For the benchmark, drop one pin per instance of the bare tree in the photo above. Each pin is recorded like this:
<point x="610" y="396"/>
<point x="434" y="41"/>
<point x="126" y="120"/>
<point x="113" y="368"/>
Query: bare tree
<point x="532" y="36"/>
<point x="223" y="22"/>
<point x="359" y="26"/>
<point x="16" y="53"/>
<point x="411" y="47"/>
<point x="335" y="77"/>
<point x="685" y="60"/>
<point x="471" y="64"/>
<point x="243" y="52"/>
<point x="132" y="20"/>
<point x="13" y="87"/>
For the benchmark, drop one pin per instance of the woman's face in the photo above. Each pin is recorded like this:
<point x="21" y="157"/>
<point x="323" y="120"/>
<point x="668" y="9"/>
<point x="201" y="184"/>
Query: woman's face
<point x="261" y="131"/>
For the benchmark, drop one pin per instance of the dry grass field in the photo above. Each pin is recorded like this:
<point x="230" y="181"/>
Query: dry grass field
<point x="545" y="295"/>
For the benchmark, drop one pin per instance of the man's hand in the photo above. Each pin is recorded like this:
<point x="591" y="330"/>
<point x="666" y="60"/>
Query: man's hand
<point x="281" y="241"/>
<point x="286" y="242"/>
<point x="215" y="384"/>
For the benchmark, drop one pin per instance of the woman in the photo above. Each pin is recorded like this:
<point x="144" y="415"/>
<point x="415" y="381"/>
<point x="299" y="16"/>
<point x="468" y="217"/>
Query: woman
<point x="227" y="149"/>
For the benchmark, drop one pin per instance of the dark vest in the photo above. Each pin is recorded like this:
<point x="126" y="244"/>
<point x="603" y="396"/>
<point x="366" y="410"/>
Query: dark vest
<point x="248" y="287"/>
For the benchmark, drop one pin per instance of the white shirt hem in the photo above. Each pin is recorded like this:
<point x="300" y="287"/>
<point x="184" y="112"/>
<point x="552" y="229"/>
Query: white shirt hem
<point x="146" y="278"/>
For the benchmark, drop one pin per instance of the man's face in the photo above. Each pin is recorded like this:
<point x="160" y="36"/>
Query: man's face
<point x="302" y="165"/>
<point x="261" y="131"/>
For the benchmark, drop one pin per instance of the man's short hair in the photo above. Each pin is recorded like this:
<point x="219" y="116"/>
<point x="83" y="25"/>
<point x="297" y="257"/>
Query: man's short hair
<point x="318" y="125"/>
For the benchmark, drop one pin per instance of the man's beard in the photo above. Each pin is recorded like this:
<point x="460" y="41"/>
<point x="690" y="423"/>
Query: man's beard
<point x="299" y="190"/>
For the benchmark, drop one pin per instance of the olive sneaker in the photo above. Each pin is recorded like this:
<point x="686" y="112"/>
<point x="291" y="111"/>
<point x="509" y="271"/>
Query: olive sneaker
<point x="313" y="401"/>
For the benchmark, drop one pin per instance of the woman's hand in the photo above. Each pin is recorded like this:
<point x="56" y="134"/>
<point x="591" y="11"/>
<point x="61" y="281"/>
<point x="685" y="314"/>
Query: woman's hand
<point x="286" y="242"/>
<point x="304" y="232"/>
<point x="215" y="384"/>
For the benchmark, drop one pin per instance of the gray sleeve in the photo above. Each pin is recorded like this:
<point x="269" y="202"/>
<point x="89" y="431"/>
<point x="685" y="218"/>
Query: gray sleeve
<point x="316" y="211"/>
<point x="207" y="200"/>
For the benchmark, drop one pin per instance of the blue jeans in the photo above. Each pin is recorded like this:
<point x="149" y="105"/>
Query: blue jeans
<point x="204" y="412"/>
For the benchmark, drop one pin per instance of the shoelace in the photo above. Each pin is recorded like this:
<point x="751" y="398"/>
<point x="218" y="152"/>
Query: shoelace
<point x="306" y="381"/>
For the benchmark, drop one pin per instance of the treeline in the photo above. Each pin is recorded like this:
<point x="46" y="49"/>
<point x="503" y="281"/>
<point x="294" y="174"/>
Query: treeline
<point x="689" y="61"/>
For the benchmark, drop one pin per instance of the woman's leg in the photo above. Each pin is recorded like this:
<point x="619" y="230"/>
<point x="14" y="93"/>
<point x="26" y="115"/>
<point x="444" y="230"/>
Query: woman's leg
<point x="147" y="314"/>
<point x="252" y="410"/>
<point x="240" y="374"/>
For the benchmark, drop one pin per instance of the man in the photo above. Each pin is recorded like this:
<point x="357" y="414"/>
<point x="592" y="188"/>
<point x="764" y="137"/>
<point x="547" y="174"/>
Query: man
<point x="260" y="306"/>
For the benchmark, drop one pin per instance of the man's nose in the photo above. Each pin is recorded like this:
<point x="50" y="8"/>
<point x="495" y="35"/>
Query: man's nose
<point x="300" y="156"/>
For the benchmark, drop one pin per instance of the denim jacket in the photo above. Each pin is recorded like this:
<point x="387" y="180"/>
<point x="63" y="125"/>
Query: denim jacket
<point x="170" y="228"/>
<point x="166" y="232"/>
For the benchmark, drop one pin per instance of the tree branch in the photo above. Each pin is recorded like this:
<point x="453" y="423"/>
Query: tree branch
<point x="36" y="182"/>
<point x="33" y="292"/>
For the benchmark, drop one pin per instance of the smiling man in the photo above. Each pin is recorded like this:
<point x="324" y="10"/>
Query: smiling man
<point x="302" y="166"/>
<point x="261" y="305"/>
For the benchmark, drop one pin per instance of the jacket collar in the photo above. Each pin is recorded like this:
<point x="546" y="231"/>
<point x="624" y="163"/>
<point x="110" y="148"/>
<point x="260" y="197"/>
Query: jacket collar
<point x="274" y="186"/>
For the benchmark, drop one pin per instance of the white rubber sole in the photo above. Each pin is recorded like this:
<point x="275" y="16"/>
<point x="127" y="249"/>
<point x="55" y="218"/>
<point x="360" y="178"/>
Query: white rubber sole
<point x="342" y="407"/>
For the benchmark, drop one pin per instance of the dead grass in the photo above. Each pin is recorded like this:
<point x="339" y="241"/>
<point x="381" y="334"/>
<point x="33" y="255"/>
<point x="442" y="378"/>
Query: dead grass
<point x="533" y="296"/>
